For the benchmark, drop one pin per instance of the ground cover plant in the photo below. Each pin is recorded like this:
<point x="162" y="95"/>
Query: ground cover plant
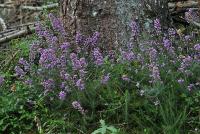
<point x="149" y="85"/>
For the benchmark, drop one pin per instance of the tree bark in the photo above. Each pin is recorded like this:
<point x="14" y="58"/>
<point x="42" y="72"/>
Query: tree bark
<point x="109" y="17"/>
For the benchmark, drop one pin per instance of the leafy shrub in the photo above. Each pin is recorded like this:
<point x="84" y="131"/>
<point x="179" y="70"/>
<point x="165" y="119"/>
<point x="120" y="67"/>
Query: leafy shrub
<point x="146" y="86"/>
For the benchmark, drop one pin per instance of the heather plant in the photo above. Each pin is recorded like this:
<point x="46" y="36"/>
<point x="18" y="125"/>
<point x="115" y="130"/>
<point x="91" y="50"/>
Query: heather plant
<point x="147" y="84"/>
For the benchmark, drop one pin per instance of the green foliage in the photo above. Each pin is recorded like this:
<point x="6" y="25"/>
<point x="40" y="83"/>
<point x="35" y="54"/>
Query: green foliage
<point x="105" y="129"/>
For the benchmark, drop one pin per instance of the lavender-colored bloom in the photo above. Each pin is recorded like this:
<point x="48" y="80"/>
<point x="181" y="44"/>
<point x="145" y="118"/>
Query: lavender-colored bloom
<point x="157" y="26"/>
<point x="57" y="24"/>
<point x="167" y="43"/>
<point x="171" y="32"/>
<point x="62" y="95"/>
<point x="187" y="38"/>
<point x="197" y="47"/>
<point x="125" y="78"/>
<point x="19" y="72"/>
<point x="63" y="84"/>
<point x="48" y="58"/>
<point x="75" y="61"/>
<point x="180" y="81"/>
<point x="98" y="57"/>
<point x="62" y="61"/>
<point x="135" y="28"/>
<point x="48" y="84"/>
<point x="155" y="74"/>
<point x="76" y="105"/>
<point x="83" y="62"/>
<point x="79" y="38"/>
<point x="33" y="51"/>
<point x="1" y="80"/>
<point x="111" y="55"/>
<point x="105" y="79"/>
<point x="82" y="73"/>
<point x="80" y="84"/>
<point x="64" y="47"/>
<point x="25" y="64"/>
<point x="50" y="38"/>
<point x="191" y="15"/>
<point x="190" y="87"/>
<point x="152" y="54"/>
<point x="95" y="38"/>
<point x="28" y="82"/>
<point x="128" y="56"/>
<point x="39" y="29"/>
<point x="186" y="62"/>
<point x="64" y="75"/>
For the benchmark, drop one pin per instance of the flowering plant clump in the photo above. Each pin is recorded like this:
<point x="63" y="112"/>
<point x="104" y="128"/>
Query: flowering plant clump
<point x="81" y="73"/>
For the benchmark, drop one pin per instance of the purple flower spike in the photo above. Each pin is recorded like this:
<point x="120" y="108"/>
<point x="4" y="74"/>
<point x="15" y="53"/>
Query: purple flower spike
<point x="48" y="85"/>
<point x="57" y="24"/>
<point x="48" y="58"/>
<point x="157" y="26"/>
<point x="62" y="95"/>
<point x="180" y="81"/>
<point x="19" y="72"/>
<point x="76" y="105"/>
<point x="98" y="57"/>
<point x="197" y="47"/>
<point x="80" y="84"/>
<point x="135" y="28"/>
<point x="105" y="79"/>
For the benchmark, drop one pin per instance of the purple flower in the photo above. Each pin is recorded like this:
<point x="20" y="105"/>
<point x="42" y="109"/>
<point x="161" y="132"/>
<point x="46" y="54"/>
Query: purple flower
<point x="125" y="78"/>
<point x="1" y="80"/>
<point x="25" y="64"/>
<point x="64" y="75"/>
<point x="19" y="72"/>
<point x="155" y="74"/>
<point x="62" y="95"/>
<point x="186" y="62"/>
<point x="77" y="63"/>
<point x="135" y="28"/>
<point x="95" y="38"/>
<point x="79" y="38"/>
<point x="171" y="32"/>
<point x="33" y="51"/>
<point x="98" y="57"/>
<point x="76" y="105"/>
<point x="28" y="82"/>
<point x="191" y="15"/>
<point x="50" y="38"/>
<point x="39" y="29"/>
<point x="128" y="56"/>
<point x="83" y="62"/>
<point x="167" y="43"/>
<point x="48" y="85"/>
<point x="105" y="78"/>
<point x="80" y="84"/>
<point x="152" y="54"/>
<point x="48" y="58"/>
<point x="190" y="87"/>
<point x="82" y="73"/>
<point x="57" y="24"/>
<point x="187" y="38"/>
<point x="180" y="81"/>
<point x="157" y="26"/>
<point x="64" y="47"/>
<point x="197" y="47"/>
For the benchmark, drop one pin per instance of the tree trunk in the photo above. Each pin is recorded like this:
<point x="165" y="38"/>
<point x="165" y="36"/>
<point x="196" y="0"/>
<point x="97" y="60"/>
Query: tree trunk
<point x="109" y="17"/>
